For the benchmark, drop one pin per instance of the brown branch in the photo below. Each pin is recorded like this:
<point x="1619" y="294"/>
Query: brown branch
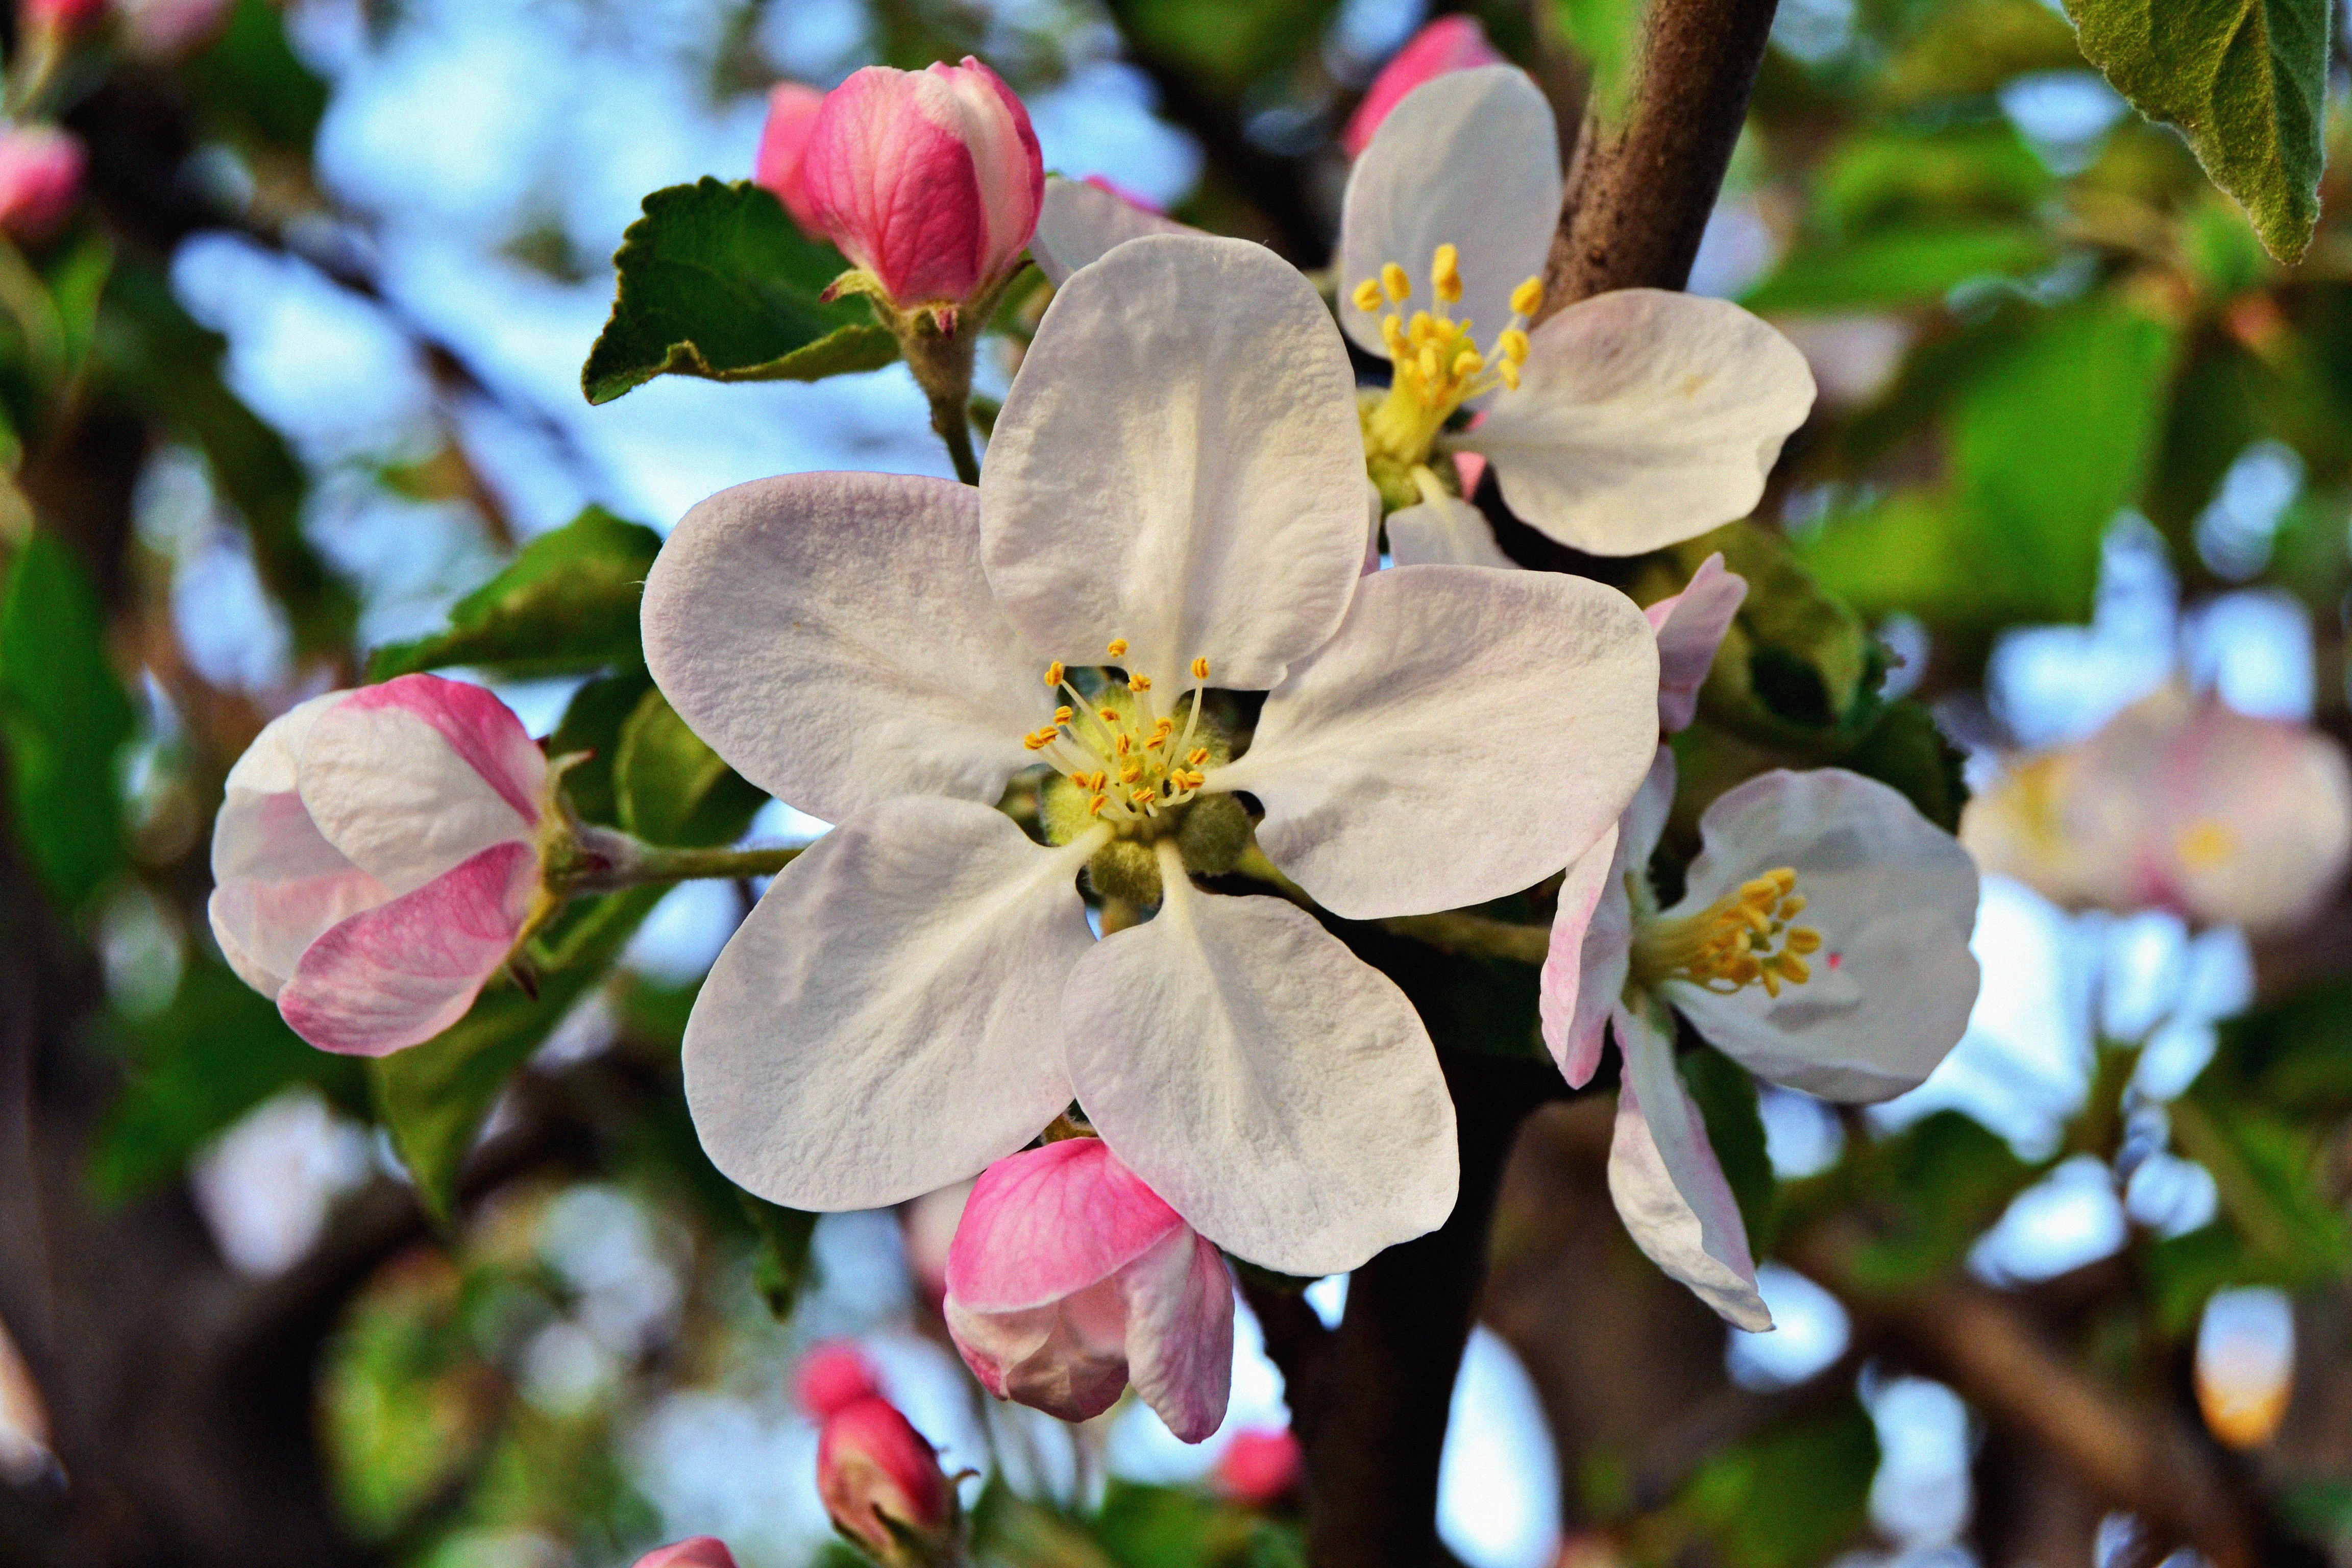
<point x="1638" y="199"/>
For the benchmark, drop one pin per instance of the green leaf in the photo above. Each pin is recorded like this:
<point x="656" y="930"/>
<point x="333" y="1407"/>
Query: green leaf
<point x="1224" y="45"/>
<point x="716" y="281"/>
<point x="64" y="716"/>
<point x="1906" y="750"/>
<point x="435" y="1098"/>
<point x="1928" y="1192"/>
<point x="1798" y="667"/>
<point x="784" y="1269"/>
<point x="2245" y="81"/>
<point x="1143" y="1526"/>
<point x="1970" y="48"/>
<point x="1899" y="267"/>
<point x="217" y="1051"/>
<point x="1791" y="1497"/>
<point x="670" y="788"/>
<point x="592" y="726"/>
<point x="252" y="85"/>
<point x="1883" y="179"/>
<point x="567" y="603"/>
<point x="1727" y="1099"/>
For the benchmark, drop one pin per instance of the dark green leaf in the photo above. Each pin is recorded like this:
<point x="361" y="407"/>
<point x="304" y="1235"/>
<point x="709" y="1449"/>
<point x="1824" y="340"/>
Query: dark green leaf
<point x="435" y="1098"/>
<point x="1906" y="750"/>
<point x="670" y="788"/>
<point x="1727" y="1099"/>
<point x="716" y="281"/>
<point x="1165" y="1527"/>
<point x="217" y="1051"/>
<point x="1797" y="667"/>
<point x="1790" y="1497"/>
<point x="591" y="726"/>
<point x="64" y="716"/>
<point x="251" y="85"/>
<point x="1899" y="267"/>
<point x="1879" y="180"/>
<point x="2245" y="81"/>
<point x="1929" y="1191"/>
<point x="784" y="1268"/>
<point x="567" y="603"/>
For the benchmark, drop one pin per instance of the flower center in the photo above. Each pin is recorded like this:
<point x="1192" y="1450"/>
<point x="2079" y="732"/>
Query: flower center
<point x="1742" y="938"/>
<point x="1438" y="362"/>
<point x="1133" y="762"/>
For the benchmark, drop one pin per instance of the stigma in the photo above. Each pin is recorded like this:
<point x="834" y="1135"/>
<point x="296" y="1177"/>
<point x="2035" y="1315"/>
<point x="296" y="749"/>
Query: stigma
<point x="1439" y="363"/>
<point x="1132" y="762"/>
<point x="1742" y="938"/>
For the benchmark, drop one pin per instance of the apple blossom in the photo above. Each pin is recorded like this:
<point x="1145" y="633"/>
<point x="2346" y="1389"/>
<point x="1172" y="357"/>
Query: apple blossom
<point x="376" y="860"/>
<point x="791" y="115"/>
<point x="1069" y="1277"/>
<point x="1860" y="1001"/>
<point x="41" y="169"/>
<point x="883" y="1487"/>
<point x="695" y="1551"/>
<point x="1449" y="43"/>
<point x="929" y="180"/>
<point x="1174" y="501"/>
<point x="1622" y="424"/>
<point x="1690" y="627"/>
<point x="2181" y="802"/>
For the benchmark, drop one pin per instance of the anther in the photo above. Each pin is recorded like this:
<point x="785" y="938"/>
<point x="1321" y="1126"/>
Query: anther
<point x="1445" y="273"/>
<point x="1398" y="287"/>
<point x="1514" y="345"/>
<point x="1509" y="371"/>
<point x="1139" y="683"/>
<point x="1468" y="363"/>
<point x="1117" y="648"/>
<point x="1367" y="296"/>
<point x="1063" y="715"/>
<point x="1198" y="755"/>
<point x="1200" y="670"/>
<point x="1054" y="673"/>
<point x="1527" y="298"/>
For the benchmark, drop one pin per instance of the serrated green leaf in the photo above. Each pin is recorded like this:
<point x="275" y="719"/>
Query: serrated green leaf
<point x="567" y="603"/>
<point x="670" y="788"/>
<point x="1791" y="1497"/>
<point x="716" y="281"/>
<point x="1727" y="1099"/>
<point x="64" y="716"/>
<point x="435" y="1098"/>
<point x="1899" y="267"/>
<point x="2245" y="81"/>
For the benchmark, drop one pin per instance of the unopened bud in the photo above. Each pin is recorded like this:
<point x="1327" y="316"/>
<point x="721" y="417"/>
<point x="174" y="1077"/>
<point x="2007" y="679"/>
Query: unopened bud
<point x="61" y="15"/>
<point x="833" y="1377"/>
<point x="1260" y="1468"/>
<point x="1451" y="43"/>
<point x="784" y="141"/>
<point x="41" y="169"/>
<point x="695" y="1551"/>
<point x="883" y="1485"/>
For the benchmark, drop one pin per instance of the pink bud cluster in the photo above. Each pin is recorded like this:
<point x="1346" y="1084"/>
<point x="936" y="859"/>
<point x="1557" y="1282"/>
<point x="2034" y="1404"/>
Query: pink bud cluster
<point x="929" y="180"/>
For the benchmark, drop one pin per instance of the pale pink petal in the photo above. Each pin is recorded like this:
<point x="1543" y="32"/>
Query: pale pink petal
<point x="1669" y="1190"/>
<point x="1590" y="940"/>
<point x="1046" y="1222"/>
<point x="1450" y="43"/>
<point x="400" y="974"/>
<point x="1082" y="221"/>
<point x="1690" y="627"/>
<point x="1179" y="1334"/>
<point x="41" y="169"/>
<point x="1067" y="1358"/>
<point x="792" y="115"/>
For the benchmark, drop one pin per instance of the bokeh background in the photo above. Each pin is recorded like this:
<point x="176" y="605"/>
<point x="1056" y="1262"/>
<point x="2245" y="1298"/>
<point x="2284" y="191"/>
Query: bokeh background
<point x="2078" y="438"/>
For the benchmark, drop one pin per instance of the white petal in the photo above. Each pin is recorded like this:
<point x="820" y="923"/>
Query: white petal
<point x="1280" y="1094"/>
<point x="1670" y="1191"/>
<point x="1591" y="947"/>
<point x="1179" y="463"/>
<point x="1081" y="223"/>
<point x="1444" y="530"/>
<point x="1467" y="733"/>
<point x="1469" y="159"/>
<point x="1691" y="626"/>
<point x="1643" y="418"/>
<point x="886" y="1021"/>
<point x="1895" y="899"/>
<point x="1645" y="818"/>
<point x="411" y="782"/>
<point x="831" y="636"/>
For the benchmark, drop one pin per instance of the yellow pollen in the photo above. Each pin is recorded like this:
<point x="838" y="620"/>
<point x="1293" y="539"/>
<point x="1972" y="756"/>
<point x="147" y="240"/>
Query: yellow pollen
<point x="1096" y="804"/>
<point x="1514" y="345"/>
<point x="1109" y="715"/>
<point x="1367" y="296"/>
<point x="1117" y="648"/>
<point x="1054" y="673"/>
<point x="1445" y="273"/>
<point x="1200" y="670"/>
<point x="1129" y="773"/>
<point x="1063" y="715"/>
<point x="1123" y="745"/>
<point x="1468" y="363"/>
<point x="1142" y="796"/>
<point x="1509" y="371"/>
<point x="1429" y="362"/>
<point x="1421" y="328"/>
<point x="1196" y="756"/>
<point x="1139" y="683"/>
<point x="1398" y="287"/>
<point x="1527" y="298"/>
<point x="2204" y="845"/>
<point x="1742" y="938"/>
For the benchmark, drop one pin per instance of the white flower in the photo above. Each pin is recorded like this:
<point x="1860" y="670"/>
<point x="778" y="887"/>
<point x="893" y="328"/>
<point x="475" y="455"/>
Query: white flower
<point x="1822" y="942"/>
<point x="1174" y="494"/>
<point x="1624" y="423"/>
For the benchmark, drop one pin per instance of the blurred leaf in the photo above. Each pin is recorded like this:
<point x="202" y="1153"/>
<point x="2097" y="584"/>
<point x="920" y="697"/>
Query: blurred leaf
<point x="217" y="1051"/>
<point x="2293" y="1054"/>
<point x="252" y="86"/>
<point x="1878" y="179"/>
<point x="1603" y="33"/>
<point x="2266" y="1169"/>
<point x="1165" y="1527"/>
<point x="1973" y="46"/>
<point x="1727" y="1099"/>
<point x="1227" y="45"/>
<point x="784" y="1269"/>
<point x="436" y="1097"/>
<point x="64" y="716"/>
<point x="1798" y="665"/>
<point x="1008" y="1527"/>
<point x="1792" y="1497"/>
<point x="567" y="603"/>
<point x="592" y="724"/>
<point x="1928" y="1192"/>
<point x="670" y="788"/>
<point x="716" y="281"/>
<point x="1897" y="267"/>
<point x="76" y="281"/>
<point x="2245" y="81"/>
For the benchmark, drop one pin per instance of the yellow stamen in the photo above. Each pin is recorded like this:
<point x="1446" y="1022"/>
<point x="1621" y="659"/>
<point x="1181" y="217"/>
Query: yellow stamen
<point x="1398" y="287"/>
<point x="1139" y="683"/>
<point x="1054" y="673"/>
<point x="1117" y="648"/>
<point x="1198" y="755"/>
<point x="1527" y="298"/>
<point x="1468" y="363"/>
<point x="1445" y="273"/>
<point x="1742" y="938"/>
<point x="1063" y="715"/>
<point x="1200" y="670"/>
<point x="1366" y="296"/>
<point x="1514" y="345"/>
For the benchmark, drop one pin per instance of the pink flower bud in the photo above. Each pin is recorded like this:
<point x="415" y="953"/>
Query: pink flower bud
<point x="1069" y="1277"/>
<point x="792" y="115"/>
<point x="1260" y="1468"/>
<point x="695" y="1551"/>
<point x="375" y="859"/>
<point x="62" y="15"/>
<point x="40" y="179"/>
<point x="929" y="180"/>
<point x="833" y="1375"/>
<point x="1450" y="43"/>
<point x="874" y="1470"/>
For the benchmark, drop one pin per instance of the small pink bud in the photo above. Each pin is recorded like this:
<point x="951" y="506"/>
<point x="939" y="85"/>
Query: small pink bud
<point x="41" y="169"/>
<point x="792" y="115"/>
<point x="875" y="1471"/>
<point x="1260" y="1468"/>
<point x="1450" y="43"/>
<point x="929" y="180"/>
<point x="695" y="1551"/>
<point x="833" y="1375"/>
<point x="61" y="15"/>
<point x="1069" y="1277"/>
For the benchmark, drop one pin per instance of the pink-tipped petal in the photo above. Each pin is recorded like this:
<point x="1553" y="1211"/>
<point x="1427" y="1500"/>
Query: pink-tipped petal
<point x="1451" y="43"/>
<point x="792" y="115"/>
<point x="695" y="1551"/>
<point x="400" y="974"/>
<point x="1179" y="1334"/>
<point x="833" y="1375"/>
<point x="1593" y="927"/>
<point x="1049" y="1222"/>
<point x="1690" y="627"/>
<point x="482" y="730"/>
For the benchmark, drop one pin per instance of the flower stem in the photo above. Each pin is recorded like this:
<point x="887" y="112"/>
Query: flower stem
<point x="952" y="418"/>
<point x="587" y="859"/>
